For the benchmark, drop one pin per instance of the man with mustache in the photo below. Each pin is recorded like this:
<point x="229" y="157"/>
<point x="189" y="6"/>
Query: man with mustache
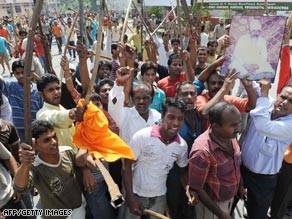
<point x="218" y="90"/>
<point x="130" y="120"/>
<point x="269" y="135"/>
<point x="214" y="164"/>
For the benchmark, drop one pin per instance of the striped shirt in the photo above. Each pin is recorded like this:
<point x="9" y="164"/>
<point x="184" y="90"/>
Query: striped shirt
<point x="213" y="169"/>
<point x="15" y="94"/>
<point x="115" y="66"/>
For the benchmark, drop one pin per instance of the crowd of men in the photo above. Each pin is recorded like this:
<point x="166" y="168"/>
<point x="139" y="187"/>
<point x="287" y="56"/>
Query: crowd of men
<point x="169" y="105"/>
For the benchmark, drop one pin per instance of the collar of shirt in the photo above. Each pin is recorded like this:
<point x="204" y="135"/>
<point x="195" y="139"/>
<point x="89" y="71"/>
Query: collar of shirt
<point x="215" y="146"/>
<point x="47" y="105"/>
<point x="156" y="133"/>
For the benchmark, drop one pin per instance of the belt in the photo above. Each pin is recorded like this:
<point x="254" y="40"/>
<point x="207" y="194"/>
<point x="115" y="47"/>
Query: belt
<point x="259" y="174"/>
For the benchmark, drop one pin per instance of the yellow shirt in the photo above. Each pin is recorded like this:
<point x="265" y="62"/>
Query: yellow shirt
<point x="63" y="125"/>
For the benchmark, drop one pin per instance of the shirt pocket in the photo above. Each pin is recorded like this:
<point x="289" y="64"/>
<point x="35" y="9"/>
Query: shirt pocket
<point x="268" y="147"/>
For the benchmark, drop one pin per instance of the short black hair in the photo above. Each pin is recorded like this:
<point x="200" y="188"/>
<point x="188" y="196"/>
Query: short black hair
<point x="44" y="80"/>
<point x="175" y="40"/>
<point x="175" y="102"/>
<point x="103" y="82"/>
<point x="114" y="46"/>
<point x="147" y="66"/>
<point x="178" y="87"/>
<point x="17" y="64"/>
<point x="106" y="63"/>
<point x="40" y="127"/>
<point x="172" y="57"/>
<point x="211" y="42"/>
<point x="95" y="96"/>
<point x="216" y="111"/>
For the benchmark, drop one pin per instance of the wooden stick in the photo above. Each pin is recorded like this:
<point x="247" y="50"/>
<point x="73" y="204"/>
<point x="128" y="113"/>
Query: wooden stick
<point x="125" y="22"/>
<point x="162" y="22"/>
<point x="93" y="53"/>
<point x="187" y="12"/>
<point x="97" y="56"/>
<point x="47" y="51"/>
<point x="143" y="22"/>
<point x="155" y="214"/>
<point x="70" y="33"/>
<point x="117" y="198"/>
<point x="27" y="70"/>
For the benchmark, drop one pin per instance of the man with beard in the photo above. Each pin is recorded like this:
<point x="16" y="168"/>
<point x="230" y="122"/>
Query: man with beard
<point x="130" y="120"/>
<point x="214" y="164"/>
<point x="250" y="55"/>
<point x="268" y="137"/>
<point x="218" y="90"/>
<point x="156" y="149"/>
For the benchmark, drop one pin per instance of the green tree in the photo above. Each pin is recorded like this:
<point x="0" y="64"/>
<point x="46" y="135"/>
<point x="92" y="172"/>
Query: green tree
<point x="154" y="10"/>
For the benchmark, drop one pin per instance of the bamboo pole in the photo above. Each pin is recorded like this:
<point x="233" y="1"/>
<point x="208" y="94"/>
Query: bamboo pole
<point x="162" y="22"/>
<point x="142" y="20"/>
<point x="70" y="33"/>
<point x="27" y="70"/>
<point x="155" y="214"/>
<point x="97" y="56"/>
<point x="125" y="22"/>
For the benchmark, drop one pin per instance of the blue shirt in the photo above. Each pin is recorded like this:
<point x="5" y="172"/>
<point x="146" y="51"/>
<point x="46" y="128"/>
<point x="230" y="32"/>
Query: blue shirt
<point x="158" y="100"/>
<point x="3" y="45"/>
<point x="266" y="141"/>
<point x="15" y="94"/>
<point x="94" y="26"/>
<point x="9" y="27"/>
<point x="187" y="132"/>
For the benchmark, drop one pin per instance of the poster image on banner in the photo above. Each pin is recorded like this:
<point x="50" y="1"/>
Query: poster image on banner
<point x="255" y="46"/>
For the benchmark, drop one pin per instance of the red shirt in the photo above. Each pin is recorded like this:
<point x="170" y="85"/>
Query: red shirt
<point x="203" y="99"/>
<point x="169" y="86"/>
<point x="213" y="169"/>
<point x="38" y="46"/>
<point x="4" y="33"/>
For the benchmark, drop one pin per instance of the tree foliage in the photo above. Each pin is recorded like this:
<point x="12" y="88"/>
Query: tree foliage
<point x="154" y="10"/>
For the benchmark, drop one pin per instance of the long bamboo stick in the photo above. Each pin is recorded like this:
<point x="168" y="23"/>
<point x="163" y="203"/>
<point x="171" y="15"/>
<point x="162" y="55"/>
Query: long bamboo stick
<point x="27" y="70"/>
<point x="162" y="22"/>
<point x="70" y="33"/>
<point x="155" y="214"/>
<point x="125" y="21"/>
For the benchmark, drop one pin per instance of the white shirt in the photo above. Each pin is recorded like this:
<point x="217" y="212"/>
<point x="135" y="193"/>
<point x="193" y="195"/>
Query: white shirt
<point x="6" y="190"/>
<point x="128" y="119"/>
<point x="6" y="111"/>
<point x="162" y="58"/>
<point x="204" y="39"/>
<point x="265" y="144"/>
<point x="153" y="160"/>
